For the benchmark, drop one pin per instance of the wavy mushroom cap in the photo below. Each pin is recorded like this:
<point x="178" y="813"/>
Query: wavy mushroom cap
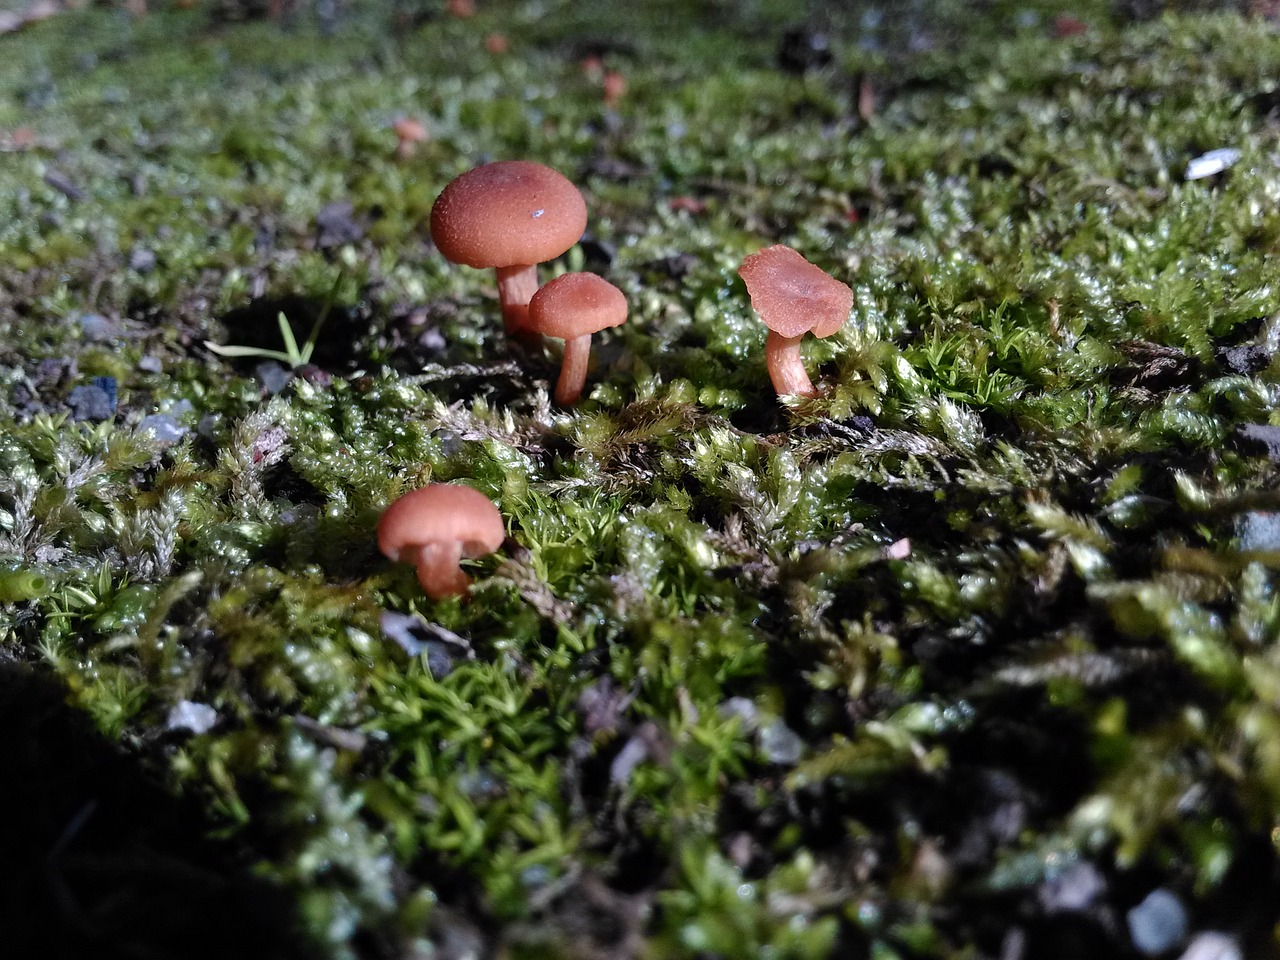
<point x="507" y="214"/>
<point x="441" y="513"/>
<point x="792" y="296"/>
<point x="575" y="305"/>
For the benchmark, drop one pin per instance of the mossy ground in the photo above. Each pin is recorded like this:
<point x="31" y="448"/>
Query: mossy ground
<point x="696" y="708"/>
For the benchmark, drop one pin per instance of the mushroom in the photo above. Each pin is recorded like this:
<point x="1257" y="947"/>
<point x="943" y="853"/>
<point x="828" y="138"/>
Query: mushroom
<point x="509" y="216"/>
<point x="613" y="87"/>
<point x="434" y="527"/>
<point x="409" y="133"/>
<point x="793" y="297"/>
<point x="573" y="306"/>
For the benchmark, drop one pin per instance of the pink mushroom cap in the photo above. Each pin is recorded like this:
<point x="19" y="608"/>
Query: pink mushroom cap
<point x="507" y="214"/>
<point x="794" y="297"/>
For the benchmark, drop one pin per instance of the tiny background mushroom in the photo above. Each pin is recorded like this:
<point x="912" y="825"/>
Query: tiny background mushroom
<point x="409" y="133"/>
<point x="434" y="527"/>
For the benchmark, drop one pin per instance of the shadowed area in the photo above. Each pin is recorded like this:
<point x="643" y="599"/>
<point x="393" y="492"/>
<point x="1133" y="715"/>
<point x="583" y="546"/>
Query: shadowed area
<point x="101" y="862"/>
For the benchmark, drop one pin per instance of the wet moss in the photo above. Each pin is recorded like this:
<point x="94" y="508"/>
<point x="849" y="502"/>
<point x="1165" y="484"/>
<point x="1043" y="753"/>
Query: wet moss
<point x="858" y="675"/>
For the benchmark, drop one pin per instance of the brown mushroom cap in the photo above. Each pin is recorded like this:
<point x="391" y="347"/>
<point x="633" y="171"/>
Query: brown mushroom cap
<point x="441" y="513"/>
<point x="507" y="214"/>
<point x="792" y="296"/>
<point x="576" y="305"/>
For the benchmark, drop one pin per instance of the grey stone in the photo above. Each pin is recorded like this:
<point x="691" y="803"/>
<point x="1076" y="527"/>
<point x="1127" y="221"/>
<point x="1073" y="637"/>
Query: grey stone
<point x="1158" y="923"/>
<point x="1259" y="530"/>
<point x="142" y="259"/>
<point x="96" y="327"/>
<point x="780" y="744"/>
<point x="91" y="402"/>
<point x="192" y="717"/>
<point x="163" y="427"/>
<point x="1073" y="890"/>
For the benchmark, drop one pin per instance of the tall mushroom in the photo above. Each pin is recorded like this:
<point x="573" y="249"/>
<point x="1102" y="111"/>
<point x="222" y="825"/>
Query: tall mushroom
<point x="508" y="216"/>
<point x="793" y="297"/>
<point x="434" y="527"/>
<point x="573" y="306"/>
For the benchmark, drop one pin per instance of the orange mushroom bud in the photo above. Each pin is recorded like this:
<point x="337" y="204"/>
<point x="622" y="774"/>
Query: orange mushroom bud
<point x="573" y="307"/>
<point x="434" y="528"/>
<point x="613" y="87"/>
<point x="409" y="133"/>
<point x="509" y="216"/>
<point x="793" y="297"/>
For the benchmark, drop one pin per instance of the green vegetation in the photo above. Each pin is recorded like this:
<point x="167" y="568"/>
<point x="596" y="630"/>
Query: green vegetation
<point x="699" y="707"/>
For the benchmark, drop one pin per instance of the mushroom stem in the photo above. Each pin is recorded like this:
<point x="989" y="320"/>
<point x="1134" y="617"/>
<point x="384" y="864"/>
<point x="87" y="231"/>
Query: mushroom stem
<point x="438" y="569"/>
<point x="516" y="286"/>
<point x="786" y="370"/>
<point x="573" y="371"/>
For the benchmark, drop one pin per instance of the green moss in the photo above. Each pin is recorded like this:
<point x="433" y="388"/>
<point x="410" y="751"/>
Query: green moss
<point x="740" y="646"/>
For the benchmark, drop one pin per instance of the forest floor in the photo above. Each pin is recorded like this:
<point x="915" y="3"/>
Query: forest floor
<point x="974" y="655"/>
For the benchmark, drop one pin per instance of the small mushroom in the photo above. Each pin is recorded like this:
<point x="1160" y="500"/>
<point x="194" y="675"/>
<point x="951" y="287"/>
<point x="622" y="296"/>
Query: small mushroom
<point x="573" y="306"/>
<point x="509" y="216"/>
<point x="793" y="297"/>
<point x="434" y="528"/>
<point x="613" y="87"/>
<point x="409" y="133"/>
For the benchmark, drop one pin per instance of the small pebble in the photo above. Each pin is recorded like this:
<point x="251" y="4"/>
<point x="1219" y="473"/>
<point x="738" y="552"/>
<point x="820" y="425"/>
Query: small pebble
<point x="142" y="259"/>
<point x="91" y="402"/>
<point x="1073" y="890"/>
<point x="192" y="717"/>
<point x="96" y="327"/>
<point x="432" y="340"/>
<point x="442" y="648"/>
<point x="1260" y="438"/>
<point x="780" y="744"/>
<point x="163" y="427"/>
<point x="400" y="627"/>
<point x="1211" y="163"/>
<point x="1212" y="945"/>
<point x="1259" y="530"/>
<point x="1246" y="359"/>
<point x="207" y="427"/>
<point x="1158" y="923"/>
<point x="336" y="225"/>
<point x="273" y="376"/>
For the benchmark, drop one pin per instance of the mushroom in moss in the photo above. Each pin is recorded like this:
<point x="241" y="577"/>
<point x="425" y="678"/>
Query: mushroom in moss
<point x="793" y="297"/>
<point x="434" y="527"/>
<point x="573" y="306"/>
<point x="409" y="133"/>
<point x="509" y="216"/>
